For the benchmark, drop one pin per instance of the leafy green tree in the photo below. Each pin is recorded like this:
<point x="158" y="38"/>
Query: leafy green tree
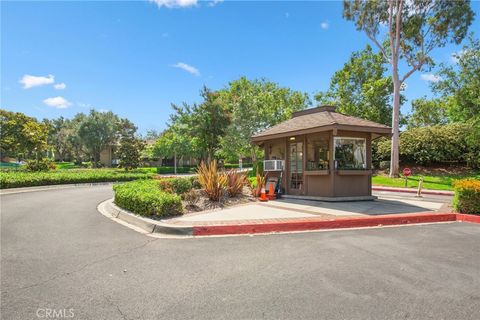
<point x="152" y="135"/>
<point x="361" y="88"/>
<point x="36" y="135"/>
<point x="131" y="147"/>
<point x="428" y="112"/>
<point x="172" y="143"/>
<point x="79" y="151"/>
<point x="411" y="30"/>
<point x="11" y="132"/>
<point x="58" y="137"/>
<point x="255" y="105"/>
<point x="461" y="84"/>
<point x="97" y="131"/>
<point x="22" y="135"/>
<point x="203" y="124"/>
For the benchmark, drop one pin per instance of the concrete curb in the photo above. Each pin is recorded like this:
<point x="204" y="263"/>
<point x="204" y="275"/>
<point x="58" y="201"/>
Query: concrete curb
<point x="406" y="190"/>
<point x="146" y="224"/>
<point x="152" y="226"/>
<point x="341" y="223"/>
<point x="472" y="218"/>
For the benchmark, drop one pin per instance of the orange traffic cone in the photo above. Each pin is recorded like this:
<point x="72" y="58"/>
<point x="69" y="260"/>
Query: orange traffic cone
<point x="271" y="193"/>
<point x="263" y="196"/>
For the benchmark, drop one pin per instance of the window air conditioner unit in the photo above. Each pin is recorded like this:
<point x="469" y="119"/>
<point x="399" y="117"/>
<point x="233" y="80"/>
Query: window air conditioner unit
<point x="273" y="165"/>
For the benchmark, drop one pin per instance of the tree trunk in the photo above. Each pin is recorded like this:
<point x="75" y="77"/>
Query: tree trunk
<point x="175" y="163"/>
<point x="394" y="152"/>
<point x="96" y="159"/>
<point x="209" y="156"/>
<point x="254" y="155"/>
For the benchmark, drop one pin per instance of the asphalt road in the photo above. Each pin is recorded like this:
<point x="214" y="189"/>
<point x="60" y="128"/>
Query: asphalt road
<point x="58" y="252"/>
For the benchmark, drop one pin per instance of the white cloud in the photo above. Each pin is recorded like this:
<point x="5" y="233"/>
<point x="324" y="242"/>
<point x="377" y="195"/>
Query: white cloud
<point x="57" y="102"/>
<point x="430" y="77"/>
<point x="175" y="3"/>
<point x="29" y="81"/>
<point x="60" y="86"/>
<point x="188" y="68"/>
<point x="214" y="3"/>
<point x="325" y="25"/>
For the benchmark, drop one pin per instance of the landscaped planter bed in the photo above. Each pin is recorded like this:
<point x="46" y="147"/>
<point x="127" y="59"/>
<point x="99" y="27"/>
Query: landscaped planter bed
<point x="172" y="196"/>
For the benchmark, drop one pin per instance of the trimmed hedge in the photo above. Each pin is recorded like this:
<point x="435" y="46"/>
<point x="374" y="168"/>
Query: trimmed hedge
<point x="236" y="165"/>
<point x="175" y="185"/>
<point x="168" y="170"/>
<point x="16" y="179"/>
<point x="467" y="196"/>
<point x="145" y="198"/>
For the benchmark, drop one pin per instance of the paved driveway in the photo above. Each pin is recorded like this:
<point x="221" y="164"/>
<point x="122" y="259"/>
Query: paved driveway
<point x="58" y="252"/>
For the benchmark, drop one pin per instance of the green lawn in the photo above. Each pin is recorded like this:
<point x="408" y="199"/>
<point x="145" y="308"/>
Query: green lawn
<point x="440" y="182"/>
<point x="66" y="165"/>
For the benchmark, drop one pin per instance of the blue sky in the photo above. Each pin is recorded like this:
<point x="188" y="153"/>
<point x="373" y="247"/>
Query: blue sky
<point x="136" y="58"/>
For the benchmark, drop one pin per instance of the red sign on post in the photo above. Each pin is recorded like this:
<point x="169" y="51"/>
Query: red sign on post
<point x="406" y="173"/>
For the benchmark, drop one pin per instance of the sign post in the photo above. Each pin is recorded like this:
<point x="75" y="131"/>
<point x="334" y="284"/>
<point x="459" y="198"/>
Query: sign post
<point x="420" y="186"/>
<point x="406" y="173"/>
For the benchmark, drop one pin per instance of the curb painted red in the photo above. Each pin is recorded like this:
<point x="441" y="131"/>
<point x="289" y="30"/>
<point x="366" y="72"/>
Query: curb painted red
<point x="438" y="193"/>
<point x="305" y="225"/>
<point x="468" y="218"/>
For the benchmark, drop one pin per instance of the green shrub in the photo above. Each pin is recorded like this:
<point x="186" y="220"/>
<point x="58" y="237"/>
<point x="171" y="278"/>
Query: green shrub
<point x="195" y="183"/>
<point x="165" y="185"/>
<point x="467" y="196"/>
<point x="168" y="170"/>
<point x="433" y="144"/>
<point x="257" y="168"/>
<point x="15" y="179"/>
<point x="175" y="185"/>
<point x="181" y="185"/>
<point x="44" y="164"/>
<point x="236" y="165"/>
<point x="145" y="198"/>
<point x="252" y="181"/>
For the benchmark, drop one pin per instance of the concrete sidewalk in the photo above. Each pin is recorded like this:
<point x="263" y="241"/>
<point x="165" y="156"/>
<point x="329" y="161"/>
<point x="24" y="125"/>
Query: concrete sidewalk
<point x="387" y="203"/>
